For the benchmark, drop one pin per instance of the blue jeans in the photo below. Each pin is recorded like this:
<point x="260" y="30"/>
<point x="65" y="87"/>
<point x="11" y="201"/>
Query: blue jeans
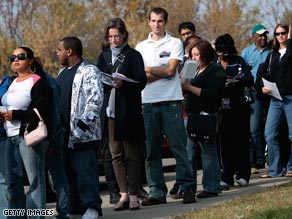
<point x="167" y="119"/>
<point x="278" y="109"/>
<point x="18" y="155"/>
<point x="55" y="164"/>
<point x="257" y="130"/>
<point x="83" y="180"/>
<point x="3" y="187"/>
<point x="211" y="167"/>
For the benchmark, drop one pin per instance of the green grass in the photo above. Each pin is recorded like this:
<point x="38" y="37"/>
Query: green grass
<point x="275" y="203"/>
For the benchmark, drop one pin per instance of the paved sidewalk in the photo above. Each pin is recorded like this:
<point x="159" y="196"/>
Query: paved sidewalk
<point x="175" y="207"/>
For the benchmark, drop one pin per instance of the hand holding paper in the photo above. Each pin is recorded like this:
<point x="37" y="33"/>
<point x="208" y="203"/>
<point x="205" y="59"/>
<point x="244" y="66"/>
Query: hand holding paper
<point x="273" y="88"/>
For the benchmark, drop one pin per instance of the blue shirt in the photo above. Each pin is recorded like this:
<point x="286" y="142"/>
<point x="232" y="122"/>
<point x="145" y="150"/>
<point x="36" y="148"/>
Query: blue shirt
<point x="3" y="88"/>
<point x="254" y="57"/>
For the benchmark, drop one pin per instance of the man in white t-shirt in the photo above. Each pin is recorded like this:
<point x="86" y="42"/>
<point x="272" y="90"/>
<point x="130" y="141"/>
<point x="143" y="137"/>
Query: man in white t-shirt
<point x="162" y="108"/>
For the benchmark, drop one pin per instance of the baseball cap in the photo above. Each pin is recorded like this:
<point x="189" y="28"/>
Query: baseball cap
<point x="259" y="29"/>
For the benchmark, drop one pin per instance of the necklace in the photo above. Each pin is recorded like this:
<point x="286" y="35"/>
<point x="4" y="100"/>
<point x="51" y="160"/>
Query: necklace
<point x="201" y="69"/>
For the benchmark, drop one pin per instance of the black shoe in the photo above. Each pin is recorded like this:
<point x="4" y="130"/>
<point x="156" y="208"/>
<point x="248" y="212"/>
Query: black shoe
<point x="206" y="194"/>
<point x="174" y="189"/>
<point x="114" y="198"/>
<point x="141" y="193"/>
<point x="152" y="201"/>
<point x="122" y="205"/>
<point x="189" y="196"/>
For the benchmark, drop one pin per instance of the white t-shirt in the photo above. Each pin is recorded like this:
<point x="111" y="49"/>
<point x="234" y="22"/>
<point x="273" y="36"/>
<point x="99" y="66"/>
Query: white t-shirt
<point x="157" y="53"/>
<point x="17" y="97"/>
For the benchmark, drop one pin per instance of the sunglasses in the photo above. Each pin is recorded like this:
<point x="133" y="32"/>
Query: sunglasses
<point x="20" y="56"/>
<point x="282" y="33"/>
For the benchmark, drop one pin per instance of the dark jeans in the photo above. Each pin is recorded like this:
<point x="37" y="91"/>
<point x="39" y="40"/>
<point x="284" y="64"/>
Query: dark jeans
<point x="55" y="164"/>
<point x="81" y="170"/>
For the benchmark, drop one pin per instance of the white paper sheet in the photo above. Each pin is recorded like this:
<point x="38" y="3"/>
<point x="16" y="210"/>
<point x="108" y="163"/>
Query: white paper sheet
<point x="273" y="87"/>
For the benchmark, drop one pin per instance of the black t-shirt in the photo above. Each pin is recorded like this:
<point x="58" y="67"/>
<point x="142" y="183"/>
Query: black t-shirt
<point x="65" y="80"/>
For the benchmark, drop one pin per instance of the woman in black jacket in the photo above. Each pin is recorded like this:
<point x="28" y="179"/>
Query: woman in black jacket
<point x="122" y="103"/>
<point x="28" y="90"/>
<point x="235" y="114"/>
<point x="280" y="60"/>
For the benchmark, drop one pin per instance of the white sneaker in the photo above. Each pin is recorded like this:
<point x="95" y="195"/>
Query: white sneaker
<point x="241" y="182"/>
<point x="90" y="213"/>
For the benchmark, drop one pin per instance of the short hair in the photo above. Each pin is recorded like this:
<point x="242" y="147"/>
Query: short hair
<point x="116" y="23"/>
<point x="207" y="52"/>
<point x="72" y="42"/>
<point x="225" y="43"/>
<point x="187" y="25"/>
<point x="159" y="10"/>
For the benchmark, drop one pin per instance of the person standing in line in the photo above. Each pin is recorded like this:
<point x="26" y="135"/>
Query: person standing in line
<point x="6" y="80"/>
<point x="193" y="150"/>
<point x="204" y="95"/>
<point x="234" y="136"/>
<point x="186" y="29"/>
<point x="28" y="91"/>
<point x="254" y="55"/>
<point x="123" y="107"/>
<point x="80" y="105"/>
<point x="279" y="60"/>
<point x="162" y="109"/>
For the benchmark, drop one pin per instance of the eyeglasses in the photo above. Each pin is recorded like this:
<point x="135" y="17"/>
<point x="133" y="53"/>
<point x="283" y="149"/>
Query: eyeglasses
<point x="20" y="56"/>
<point x="282" y="33"/>
<point x="114" y="37"/>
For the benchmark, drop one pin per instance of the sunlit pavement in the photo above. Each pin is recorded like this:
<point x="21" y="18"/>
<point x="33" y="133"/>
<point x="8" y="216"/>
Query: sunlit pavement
<point x="175" y="207"/>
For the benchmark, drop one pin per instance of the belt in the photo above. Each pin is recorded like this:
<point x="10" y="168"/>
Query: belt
<point x="162" y="103"/>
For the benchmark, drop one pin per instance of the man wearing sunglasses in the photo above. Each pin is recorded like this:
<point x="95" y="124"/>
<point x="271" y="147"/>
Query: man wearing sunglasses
<point x="254" y="55"/>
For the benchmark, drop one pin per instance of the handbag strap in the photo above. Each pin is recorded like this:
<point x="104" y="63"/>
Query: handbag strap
<point x="38" y="114"/>
<point x="120" y="59"/>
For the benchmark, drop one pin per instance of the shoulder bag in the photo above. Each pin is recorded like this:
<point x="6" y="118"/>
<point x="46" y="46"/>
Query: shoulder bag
<point x="39" y="134"/>
<point x="202" y="127"/>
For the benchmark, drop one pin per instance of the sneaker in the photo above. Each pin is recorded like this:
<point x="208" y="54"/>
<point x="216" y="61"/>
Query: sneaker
<point x="90" y="213"/>
<point x="225" y="186"/>
<point x="174" y="189"/>
<point x="241" y="182"/>
<point x="189" y="196"/>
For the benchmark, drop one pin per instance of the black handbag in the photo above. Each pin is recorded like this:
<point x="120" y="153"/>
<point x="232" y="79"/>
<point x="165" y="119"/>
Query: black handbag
<point x="202" y="127"/>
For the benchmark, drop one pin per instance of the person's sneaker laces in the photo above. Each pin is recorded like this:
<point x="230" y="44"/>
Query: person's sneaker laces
<point x="90" y="214"/>
<point x="241" y="182"/>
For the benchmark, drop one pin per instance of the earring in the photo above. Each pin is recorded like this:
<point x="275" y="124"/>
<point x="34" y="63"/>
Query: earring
<point x="32" y="69"/>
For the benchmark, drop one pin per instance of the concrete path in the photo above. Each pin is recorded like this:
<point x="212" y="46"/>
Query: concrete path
<point x="175" y="207"/>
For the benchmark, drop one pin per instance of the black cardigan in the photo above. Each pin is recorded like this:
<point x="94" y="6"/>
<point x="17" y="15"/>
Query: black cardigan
<point x="129" y="123"/>
<point x="40" y="99"/>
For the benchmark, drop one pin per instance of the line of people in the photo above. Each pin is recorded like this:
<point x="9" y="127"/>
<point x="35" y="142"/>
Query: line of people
<point x="134" y="96"/>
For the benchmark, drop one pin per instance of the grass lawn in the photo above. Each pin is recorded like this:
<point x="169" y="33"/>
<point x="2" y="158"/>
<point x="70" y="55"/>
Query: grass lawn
<point x="275" y="203"/>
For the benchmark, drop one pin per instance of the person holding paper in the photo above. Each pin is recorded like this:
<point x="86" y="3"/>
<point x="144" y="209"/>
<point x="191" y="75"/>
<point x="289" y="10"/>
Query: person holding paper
<point x="123" y="111"/>
<point x="280" y="73"/>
